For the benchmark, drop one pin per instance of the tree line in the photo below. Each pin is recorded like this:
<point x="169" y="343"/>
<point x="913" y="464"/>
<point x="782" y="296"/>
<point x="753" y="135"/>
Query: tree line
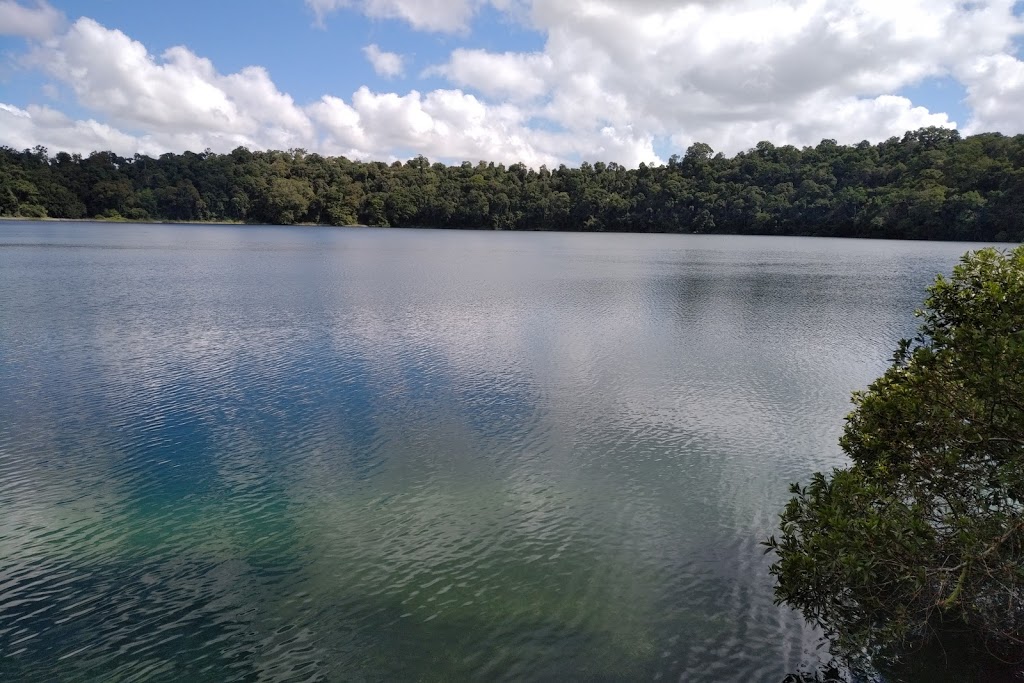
<point x="927" y="184"/>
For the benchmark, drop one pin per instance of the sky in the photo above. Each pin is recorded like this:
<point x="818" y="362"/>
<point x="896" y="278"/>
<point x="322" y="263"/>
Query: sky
<point x="531" y="81"/>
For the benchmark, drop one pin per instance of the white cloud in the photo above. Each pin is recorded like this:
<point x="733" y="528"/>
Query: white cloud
<point x="616" y="80"/>
<point x="514" y="75"/>
<point x="995" y="92"/>
<point x="446" y="124"/>
<point x="26" y="128"/>
<point x="445" y="16"/>
<point x="387" y="64"/>
<point x="815" y="118"/>
<point x="732" y="72"/>
<point x="622" y="145"/>
<point x="37" y="21"/>
<point x="430" y="15"/>
<point x="177" y="97"/>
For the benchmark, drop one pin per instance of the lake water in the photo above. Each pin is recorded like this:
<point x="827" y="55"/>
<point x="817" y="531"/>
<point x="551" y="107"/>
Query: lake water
<point x="304" y="454"/>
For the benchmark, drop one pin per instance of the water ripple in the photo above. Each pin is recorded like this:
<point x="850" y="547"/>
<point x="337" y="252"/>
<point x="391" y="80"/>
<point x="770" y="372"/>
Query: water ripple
<point x="255" y="454"/>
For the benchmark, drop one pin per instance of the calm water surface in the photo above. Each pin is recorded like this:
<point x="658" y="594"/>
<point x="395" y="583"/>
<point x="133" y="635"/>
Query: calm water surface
<point x="287" y="454"/>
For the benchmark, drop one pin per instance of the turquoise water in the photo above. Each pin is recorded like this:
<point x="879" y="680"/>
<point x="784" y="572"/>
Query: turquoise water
<point x="288" y="454"/>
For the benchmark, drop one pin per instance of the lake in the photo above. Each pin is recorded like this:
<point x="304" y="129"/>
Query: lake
<point x="305" y="454"/>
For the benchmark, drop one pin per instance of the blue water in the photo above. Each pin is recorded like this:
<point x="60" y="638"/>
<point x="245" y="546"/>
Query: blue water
<point x="290" y="454"/>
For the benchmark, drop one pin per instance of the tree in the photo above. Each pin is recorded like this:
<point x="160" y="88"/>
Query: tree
<point x="924" y="532"/>
<point x="287" y="200"/>
<point x="928" y="184"/>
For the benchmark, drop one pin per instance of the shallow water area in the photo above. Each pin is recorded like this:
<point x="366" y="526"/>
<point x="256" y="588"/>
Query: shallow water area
<point x="300" y="454"/>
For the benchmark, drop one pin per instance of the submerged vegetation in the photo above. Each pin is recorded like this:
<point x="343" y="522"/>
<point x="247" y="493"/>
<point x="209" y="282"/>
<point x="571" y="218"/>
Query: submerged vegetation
<point x="920" y="540"/>
<point x="929" y="184"/>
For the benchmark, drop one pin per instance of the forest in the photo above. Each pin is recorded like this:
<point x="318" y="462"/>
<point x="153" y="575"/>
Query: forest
<point x="928" y="184"/>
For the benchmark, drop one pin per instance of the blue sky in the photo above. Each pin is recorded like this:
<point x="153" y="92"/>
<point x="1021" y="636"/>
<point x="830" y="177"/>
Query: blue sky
<point x="538" y="81"/>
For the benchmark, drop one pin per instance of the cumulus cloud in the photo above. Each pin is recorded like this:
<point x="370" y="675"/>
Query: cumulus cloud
<point x="175" y="97"/>
<point x="736" y="71"/>
<point x="514" y="75"/>
<point x="815" y="118"/>
<point x="447" y="124"/>
<point x="39" y="20"/>
<point x="429" y="15"/>
<point x="26" y="128"/>
<point x="616" y="80"/>
<point x="387" y="64"/>
<point x="995" y="93"/>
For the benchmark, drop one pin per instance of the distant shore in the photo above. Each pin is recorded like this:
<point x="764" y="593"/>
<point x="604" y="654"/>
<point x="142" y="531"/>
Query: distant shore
<point x="239" y="224"/>
<point x="132" y="221"/>
<point x="929" y="184"/>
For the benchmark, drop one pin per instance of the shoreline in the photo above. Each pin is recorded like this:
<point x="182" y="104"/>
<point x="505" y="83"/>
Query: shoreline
<point x="239" y="224"/>
<point x="131" y="221"/>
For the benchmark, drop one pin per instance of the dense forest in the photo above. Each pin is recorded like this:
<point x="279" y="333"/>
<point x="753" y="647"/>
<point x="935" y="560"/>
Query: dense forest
<point x="928" y="184"/>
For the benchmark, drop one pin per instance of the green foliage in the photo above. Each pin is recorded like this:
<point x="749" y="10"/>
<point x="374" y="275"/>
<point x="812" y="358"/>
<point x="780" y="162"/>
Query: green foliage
<point x="929" y="184"/>
<point x="110" y="215"/>
<point x="31" y="211"/>
<point x="924" y="532"/>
